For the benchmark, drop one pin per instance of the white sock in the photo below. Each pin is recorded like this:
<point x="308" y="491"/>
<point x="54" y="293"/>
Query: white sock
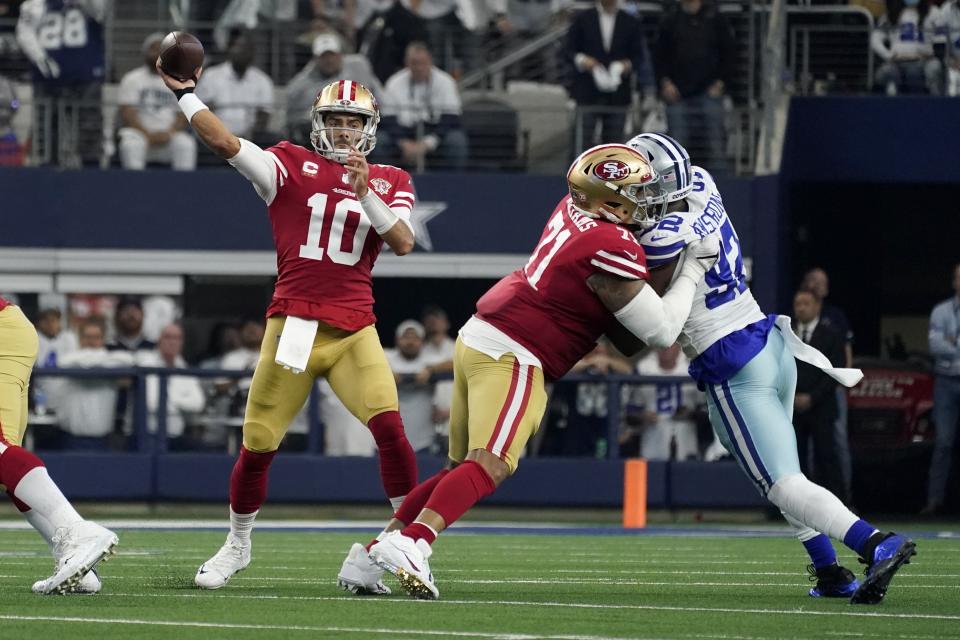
<point x="38" y="490"/>
<point x="812" y="505"/>
<point x="42" y="525"/>
<point x="396" y="502"/>
<point x="241" y="524"/>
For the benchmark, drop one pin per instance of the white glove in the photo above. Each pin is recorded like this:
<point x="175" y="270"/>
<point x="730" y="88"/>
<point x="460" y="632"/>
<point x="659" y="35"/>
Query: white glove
<point x="48" y="67"/>
<point x="702" y="254"/>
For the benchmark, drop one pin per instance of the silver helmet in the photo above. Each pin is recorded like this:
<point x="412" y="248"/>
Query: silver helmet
<point x="671" y="164"/>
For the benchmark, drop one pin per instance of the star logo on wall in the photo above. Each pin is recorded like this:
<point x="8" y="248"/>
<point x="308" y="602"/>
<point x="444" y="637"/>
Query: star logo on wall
<point x="423" y="212"/>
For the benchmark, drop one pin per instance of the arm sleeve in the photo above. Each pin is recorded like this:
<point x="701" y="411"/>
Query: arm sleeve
<point x="262" y="168"/>
<point x="658" y="321"/>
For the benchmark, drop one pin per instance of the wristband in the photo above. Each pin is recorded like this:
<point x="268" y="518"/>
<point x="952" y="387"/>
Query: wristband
<point x="381" y="217"/>
<point x="182" y="92"/>
<point x="190" y="104"/>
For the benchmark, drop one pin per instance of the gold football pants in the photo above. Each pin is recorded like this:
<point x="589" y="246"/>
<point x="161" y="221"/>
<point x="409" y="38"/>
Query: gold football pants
<point x="353" y="363"/>
<point x="18" y="352"/>
<point x="497" y="405"/>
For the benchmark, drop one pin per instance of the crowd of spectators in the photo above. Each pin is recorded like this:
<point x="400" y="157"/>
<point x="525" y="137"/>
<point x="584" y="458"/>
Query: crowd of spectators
<point x="661" y="417"/>
<point x="411" y="54"/>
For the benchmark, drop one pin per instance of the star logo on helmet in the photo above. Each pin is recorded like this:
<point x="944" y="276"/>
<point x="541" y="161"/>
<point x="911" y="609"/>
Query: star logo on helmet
<point x="381" y="186"/>
<point x="612" y="170"/>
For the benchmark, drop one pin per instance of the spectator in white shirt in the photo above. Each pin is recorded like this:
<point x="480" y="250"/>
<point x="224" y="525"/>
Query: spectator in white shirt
<point x="421" y="115"/>
<point x="408" y="363"/>
<point x="86" y="406"/>
<point x="240" y="93"/>
<point x="184" y="394"/>
<point x="903" y="40"/>
<point x="153" y="128"/>
<point x="54" y="341"/>
<point x="668" y="407"/>
<point x="438" y="347"/>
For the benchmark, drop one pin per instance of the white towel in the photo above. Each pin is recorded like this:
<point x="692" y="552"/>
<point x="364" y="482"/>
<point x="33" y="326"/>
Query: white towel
<point x="604" y="81"/>
<point x="296" y="342"/>
<point x="806" y="353"/>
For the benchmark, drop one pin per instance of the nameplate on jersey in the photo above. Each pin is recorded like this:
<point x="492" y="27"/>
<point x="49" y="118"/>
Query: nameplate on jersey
<point x="296" y="343"/>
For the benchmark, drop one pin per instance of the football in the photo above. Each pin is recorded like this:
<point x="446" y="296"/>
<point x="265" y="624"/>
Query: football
<point x="181" y="54"/>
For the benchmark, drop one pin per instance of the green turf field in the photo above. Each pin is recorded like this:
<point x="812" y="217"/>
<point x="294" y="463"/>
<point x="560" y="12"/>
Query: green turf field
<point x="491" y="586"/>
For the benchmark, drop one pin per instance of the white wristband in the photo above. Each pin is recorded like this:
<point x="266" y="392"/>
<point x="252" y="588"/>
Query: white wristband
<point x="190" y="104"/>
<point x="380" y="215"/>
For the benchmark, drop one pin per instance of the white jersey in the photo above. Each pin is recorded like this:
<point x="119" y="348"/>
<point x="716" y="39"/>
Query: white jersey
<point x="723" y="302"/>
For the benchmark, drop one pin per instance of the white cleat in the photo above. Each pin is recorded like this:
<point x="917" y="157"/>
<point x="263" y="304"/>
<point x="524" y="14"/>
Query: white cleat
<point x="232" y="558"/>
<point x="360" y="575"/>
<point x="407" y="560"/>
<point x="78" y="548"/>
<point x="89" y="584"/>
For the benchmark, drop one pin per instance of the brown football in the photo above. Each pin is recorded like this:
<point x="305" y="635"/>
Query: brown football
<point x="181" y="54"/>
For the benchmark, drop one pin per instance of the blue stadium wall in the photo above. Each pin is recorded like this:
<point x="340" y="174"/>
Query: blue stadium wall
<point x="829" y="140"/>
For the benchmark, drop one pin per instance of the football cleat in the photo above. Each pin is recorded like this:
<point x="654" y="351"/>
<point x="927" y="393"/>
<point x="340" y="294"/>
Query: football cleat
<point x="891" y="554"/>
<point x="407" y="560"/>
<point x="833" y="581"/>
<point x="360" y="575"/>
<point x="232" y="558"/>
<point x="78" y="548"/>
<point x="89" y="584"/>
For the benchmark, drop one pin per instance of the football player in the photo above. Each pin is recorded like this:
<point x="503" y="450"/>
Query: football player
<point x="77" y="544"/>
<point x="331" y="213"/>
<point x="744" y="360"/>
<point x="587" y="273"/>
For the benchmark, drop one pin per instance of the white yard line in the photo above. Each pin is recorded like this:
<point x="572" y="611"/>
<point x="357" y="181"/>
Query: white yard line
<point x="560" y="605"/>
<point x="417" y="633"/>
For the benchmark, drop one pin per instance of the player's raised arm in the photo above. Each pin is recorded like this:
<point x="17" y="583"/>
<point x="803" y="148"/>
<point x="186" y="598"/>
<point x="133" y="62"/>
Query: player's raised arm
<point x="250" y="160"/>
<point x="655" y="320"/>
<point x="208" y="127"/>
<point x="395" y="231"/>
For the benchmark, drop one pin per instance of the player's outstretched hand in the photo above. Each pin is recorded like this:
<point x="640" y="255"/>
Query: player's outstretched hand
<point x="704" y="252"/>
<point x="359" y="172"/>
<point x="176" y="85"/>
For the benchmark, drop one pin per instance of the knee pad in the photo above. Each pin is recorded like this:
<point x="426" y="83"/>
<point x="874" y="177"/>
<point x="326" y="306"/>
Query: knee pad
<point x="259" y="438"/>
<point x="811" y="505"/>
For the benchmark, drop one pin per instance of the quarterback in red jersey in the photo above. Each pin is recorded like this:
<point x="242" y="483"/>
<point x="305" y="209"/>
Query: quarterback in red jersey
<point x="330" y="213"/>
<point x="77" y="544"/>
<point x="586" y="277"/>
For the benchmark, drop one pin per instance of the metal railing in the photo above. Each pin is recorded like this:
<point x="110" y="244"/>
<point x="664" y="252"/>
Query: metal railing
<point x="144" y="439"/>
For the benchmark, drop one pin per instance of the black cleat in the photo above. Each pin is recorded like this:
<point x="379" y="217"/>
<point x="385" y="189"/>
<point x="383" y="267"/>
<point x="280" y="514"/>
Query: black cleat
<point x="833" y="581"/>
<point x="891" y="554"/>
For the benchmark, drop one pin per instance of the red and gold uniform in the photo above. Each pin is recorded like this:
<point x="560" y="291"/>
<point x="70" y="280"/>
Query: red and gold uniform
<point x="326" y="249"/>
<point x="18" y="353"/>
<point x="532" y="326"/>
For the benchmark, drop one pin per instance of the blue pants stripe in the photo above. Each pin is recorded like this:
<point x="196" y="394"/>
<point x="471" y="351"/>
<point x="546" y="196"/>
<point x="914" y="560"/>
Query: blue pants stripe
<point x="745" y="432"/>
<point x="733" y="440"/>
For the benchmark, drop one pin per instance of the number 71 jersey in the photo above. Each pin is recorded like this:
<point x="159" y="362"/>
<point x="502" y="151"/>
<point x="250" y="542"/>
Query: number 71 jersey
<point x="325" y="244"/>
<point x="723" y="302"/>
<point x="547" y="306"/>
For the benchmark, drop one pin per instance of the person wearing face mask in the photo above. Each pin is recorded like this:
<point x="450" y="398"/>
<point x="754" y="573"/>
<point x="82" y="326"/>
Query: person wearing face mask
<point x="331" y="213"/>
<point x="903" y="40"/>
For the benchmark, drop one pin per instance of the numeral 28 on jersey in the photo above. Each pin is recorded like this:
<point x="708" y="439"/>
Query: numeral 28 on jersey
<point x="343" y="224"/>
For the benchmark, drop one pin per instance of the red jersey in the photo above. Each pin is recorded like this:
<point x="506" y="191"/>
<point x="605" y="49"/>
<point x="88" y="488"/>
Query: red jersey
<point x="325" y="244"/>
<point x="547" y="305"/>
<point x="3" y="304"/>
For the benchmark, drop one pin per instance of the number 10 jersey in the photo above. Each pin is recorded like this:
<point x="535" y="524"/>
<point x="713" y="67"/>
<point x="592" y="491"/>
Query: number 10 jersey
<point x="325" y="244"/>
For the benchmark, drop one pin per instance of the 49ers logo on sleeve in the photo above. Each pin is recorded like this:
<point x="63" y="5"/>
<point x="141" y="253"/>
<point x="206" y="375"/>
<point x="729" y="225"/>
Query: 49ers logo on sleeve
<point x="611" y="170"/>
<point x="381" y="186"/>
